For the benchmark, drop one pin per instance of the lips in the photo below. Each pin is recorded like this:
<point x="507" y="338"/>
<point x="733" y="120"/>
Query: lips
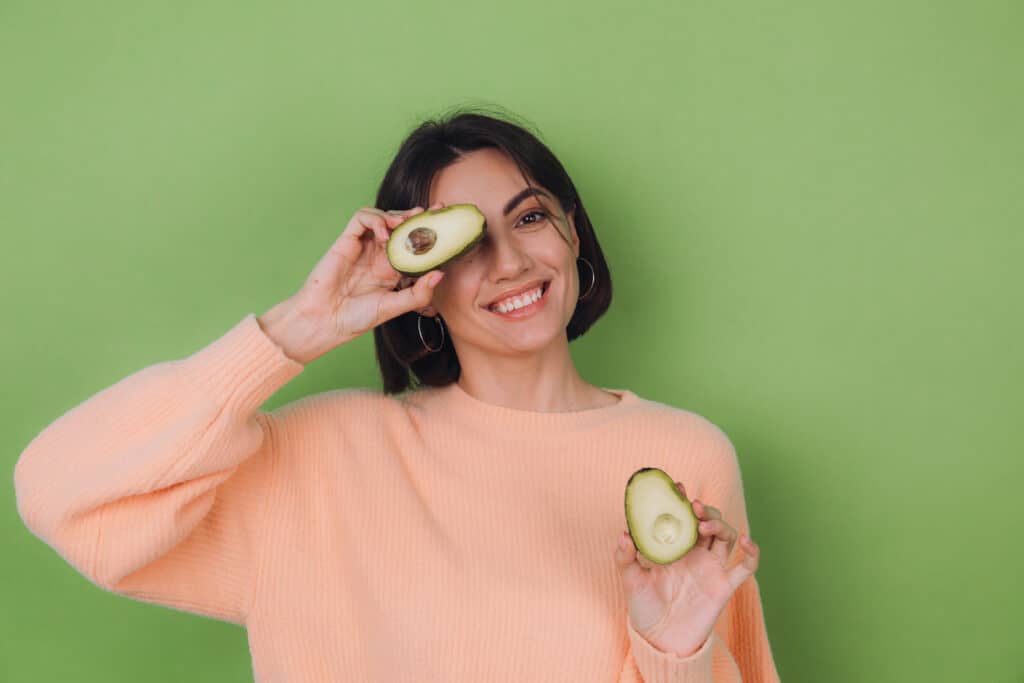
<point x="525" y="288"/>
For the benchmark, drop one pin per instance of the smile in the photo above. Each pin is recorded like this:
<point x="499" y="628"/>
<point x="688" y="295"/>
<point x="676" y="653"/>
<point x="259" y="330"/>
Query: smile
<point x="523" y="311"/>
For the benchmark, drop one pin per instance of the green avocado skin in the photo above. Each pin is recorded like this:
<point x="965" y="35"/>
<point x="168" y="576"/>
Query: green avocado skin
<point x="417" y="273"/>
<point x="629" y="525"/>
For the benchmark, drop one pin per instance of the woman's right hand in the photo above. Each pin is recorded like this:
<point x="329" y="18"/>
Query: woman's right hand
<point x="350" y="291"/>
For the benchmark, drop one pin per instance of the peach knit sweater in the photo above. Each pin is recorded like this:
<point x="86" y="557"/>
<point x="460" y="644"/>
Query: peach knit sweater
<point x="362" y="537"/>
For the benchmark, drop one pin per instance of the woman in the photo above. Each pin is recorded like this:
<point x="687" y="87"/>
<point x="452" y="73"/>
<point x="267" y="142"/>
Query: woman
<point x="467" y="528"/>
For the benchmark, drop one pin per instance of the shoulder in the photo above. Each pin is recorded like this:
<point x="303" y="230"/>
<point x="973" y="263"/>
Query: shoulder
<point x="337" y="408"/>
<point x="690" y="434"/>
<point x="700" y="453"/>
<point x="684" y="423"/>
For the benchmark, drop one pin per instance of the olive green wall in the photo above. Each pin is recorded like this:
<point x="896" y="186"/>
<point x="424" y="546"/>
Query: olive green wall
<point x="812" y="212"/>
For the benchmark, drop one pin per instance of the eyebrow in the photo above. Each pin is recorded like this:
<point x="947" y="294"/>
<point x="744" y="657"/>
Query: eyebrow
<point x="528" y="192"/>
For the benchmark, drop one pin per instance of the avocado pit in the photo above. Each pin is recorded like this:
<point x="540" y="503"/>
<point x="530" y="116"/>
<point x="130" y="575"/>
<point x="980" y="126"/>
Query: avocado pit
<point x="420" y="240"/>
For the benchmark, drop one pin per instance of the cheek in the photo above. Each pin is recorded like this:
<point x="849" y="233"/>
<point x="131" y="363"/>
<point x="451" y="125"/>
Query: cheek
<point x="458" y="295"/>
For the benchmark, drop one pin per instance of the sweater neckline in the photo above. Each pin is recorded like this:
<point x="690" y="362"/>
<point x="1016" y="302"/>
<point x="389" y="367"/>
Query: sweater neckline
<point x="467" y="407"/>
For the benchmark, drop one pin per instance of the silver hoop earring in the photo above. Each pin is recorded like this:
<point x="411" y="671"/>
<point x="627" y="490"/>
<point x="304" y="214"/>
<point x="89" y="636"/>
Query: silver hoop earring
<point x="437" y="319"/>
<point x="593" y="277"/>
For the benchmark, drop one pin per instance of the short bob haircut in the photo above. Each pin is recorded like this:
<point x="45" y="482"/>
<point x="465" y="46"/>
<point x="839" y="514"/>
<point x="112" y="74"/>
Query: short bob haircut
<point x="404" y="361"/>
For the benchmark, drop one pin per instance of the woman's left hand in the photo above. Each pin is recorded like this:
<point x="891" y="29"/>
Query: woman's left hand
<point x="675" y="606"/>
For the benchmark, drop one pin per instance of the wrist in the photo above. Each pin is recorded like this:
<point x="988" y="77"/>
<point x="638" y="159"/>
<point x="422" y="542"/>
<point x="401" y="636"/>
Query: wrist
<point x="682" y="653"/>
<point x="666" y="646"/>
<point x="290" y="331"/>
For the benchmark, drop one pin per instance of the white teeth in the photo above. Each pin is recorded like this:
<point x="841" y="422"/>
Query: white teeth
<point x="518" y="302"/>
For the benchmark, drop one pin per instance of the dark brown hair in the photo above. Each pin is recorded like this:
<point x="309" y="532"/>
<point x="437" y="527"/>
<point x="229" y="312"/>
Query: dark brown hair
<point x="433" y="145"/>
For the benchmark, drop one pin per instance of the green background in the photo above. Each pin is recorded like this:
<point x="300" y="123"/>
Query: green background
<point x="812" y="211"/>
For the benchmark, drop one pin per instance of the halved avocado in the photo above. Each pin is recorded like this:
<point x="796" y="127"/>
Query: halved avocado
<point x="431" y="239"/>
<point x="660" y="518"/>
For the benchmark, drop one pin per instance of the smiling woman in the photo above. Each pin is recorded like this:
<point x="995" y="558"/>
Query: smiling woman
<point x="431" y="536"/>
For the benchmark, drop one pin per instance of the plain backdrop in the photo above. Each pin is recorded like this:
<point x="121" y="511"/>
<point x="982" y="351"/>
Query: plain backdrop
<point x="812" y="211"/>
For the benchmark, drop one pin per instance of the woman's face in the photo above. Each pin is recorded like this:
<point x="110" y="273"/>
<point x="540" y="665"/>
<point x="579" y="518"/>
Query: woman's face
<point x="526" y="241"/>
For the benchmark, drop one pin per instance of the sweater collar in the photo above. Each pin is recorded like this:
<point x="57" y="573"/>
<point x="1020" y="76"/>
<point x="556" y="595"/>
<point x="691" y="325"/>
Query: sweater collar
<point x="466" y="408"/>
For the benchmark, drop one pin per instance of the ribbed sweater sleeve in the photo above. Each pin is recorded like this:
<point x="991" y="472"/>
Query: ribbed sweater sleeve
<point x="155" y="488"/>
<point x="743" y="630"/>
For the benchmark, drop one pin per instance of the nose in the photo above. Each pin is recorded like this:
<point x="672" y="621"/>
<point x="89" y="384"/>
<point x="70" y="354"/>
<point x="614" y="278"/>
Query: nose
<point x="507" y="258"/>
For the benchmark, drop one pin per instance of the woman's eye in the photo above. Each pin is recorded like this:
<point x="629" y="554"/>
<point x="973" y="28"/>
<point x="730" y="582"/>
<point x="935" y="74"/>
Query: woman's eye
<point x="540" y="215"/>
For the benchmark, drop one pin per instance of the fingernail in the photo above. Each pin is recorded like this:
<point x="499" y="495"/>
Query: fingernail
<point x="435" y="278"/>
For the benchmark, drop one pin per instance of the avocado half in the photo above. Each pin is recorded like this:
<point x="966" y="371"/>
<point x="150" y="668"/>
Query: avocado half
<point x="660" y="518"/>
<point x="431" y="239"/>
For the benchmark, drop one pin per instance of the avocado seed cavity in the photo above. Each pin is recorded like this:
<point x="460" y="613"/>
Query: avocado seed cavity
<point x="666" y="528"/>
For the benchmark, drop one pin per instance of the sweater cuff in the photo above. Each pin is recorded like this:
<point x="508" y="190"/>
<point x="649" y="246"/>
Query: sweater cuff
<point x="241" y="369"/>
<point x="661" y="667"/>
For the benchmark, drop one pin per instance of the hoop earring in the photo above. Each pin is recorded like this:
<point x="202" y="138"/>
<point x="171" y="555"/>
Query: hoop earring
<point x="593" y="277"/>
<point x="437" y="319"/>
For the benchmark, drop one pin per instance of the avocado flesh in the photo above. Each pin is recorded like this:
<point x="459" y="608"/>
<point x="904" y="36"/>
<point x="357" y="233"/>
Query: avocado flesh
<point x="431" y="239"/>
<point x="660" y="518"/>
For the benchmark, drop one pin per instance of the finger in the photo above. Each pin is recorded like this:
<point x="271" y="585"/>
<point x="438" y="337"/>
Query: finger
<point x="400" y="301"/>
<point x="396" y="217"/>
<point x="745" y="569"/>
<point x="411" y="212"/>
<point x="375" y="220"/>
<point x="362" y="220"/>
<point x="702" y="540"/>
<point x="349" y="246"/>
<point x="624" y="551"/>
<point x="644" y="562"/>
<point x="682" y="490"/>
<point x="635" y="556"/>
<point x="723" y="537"/>
<point x="415" y="210"/>
<point x="631" y="573"/>
<point x="705" y="511"/>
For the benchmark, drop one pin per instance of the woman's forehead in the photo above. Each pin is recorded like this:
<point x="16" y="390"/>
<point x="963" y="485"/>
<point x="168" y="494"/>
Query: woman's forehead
<point x="488" y="178"/>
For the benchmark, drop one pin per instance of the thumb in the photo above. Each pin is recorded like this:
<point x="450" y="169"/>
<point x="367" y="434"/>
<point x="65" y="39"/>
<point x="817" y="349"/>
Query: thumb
<point x="410" y="298"/>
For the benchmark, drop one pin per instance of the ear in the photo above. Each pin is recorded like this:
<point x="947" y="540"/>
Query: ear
<point x="572" y="230"/>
